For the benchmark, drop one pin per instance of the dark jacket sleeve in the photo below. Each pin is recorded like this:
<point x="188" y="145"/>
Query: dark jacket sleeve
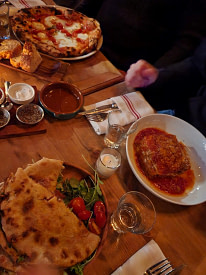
<point x="190" y="35"/>
<point x="181" y="87"/>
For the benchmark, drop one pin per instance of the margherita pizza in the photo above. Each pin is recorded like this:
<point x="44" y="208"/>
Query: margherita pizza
<point x="57" y="31"/>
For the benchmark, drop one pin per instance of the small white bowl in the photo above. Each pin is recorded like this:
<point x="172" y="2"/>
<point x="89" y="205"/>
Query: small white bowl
<point x="21" y="93"/>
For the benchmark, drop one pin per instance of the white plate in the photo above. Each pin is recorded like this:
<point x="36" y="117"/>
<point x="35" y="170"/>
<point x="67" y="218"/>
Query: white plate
<point x="99" y="45"/>
<point x="196" y="144"/>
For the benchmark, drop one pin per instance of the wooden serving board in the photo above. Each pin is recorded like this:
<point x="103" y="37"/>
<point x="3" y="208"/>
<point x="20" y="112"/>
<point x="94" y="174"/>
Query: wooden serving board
<point x="89" y="75"/>
<point x="50" y="68"/>
<point x="15" y="128"/>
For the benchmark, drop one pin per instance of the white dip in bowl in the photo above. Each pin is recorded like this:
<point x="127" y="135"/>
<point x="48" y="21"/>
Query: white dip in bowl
<point x="21" y="93"/>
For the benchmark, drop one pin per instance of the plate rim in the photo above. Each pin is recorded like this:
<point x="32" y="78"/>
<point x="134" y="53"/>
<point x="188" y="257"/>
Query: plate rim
<point x="105" y="229"/>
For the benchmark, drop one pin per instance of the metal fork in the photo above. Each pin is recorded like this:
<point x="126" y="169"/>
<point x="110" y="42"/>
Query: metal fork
<point x="98" y="117"/>
<point x="160" y="268"/>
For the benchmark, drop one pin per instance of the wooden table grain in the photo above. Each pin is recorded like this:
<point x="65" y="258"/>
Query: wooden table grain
<point x="180" y="231"/>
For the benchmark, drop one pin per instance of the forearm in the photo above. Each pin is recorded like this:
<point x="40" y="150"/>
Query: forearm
<point x="183" y="75"/>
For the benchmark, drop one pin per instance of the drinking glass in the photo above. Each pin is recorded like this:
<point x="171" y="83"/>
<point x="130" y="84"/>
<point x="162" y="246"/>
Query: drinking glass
<point x="4" y="21"/>
<point x="116" y="133"/>
<point x="135" y="213"/>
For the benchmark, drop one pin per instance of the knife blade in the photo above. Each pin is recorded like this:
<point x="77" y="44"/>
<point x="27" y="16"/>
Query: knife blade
<point x="176" y="270"/>
<point x="103" y="108"/>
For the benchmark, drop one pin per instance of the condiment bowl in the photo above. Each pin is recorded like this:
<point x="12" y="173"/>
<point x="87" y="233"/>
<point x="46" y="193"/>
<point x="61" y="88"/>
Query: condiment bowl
<point x="21" y="93"/>
<point x="2" y="96"/>
<point x="29" y="113"/>
<point x="4" y="117"/>
<point x="61" y="99"/>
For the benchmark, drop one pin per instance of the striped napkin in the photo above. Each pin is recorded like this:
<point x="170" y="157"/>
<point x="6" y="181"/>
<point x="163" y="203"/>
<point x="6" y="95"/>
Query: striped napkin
<point x="147" y="256"/>
<point x="20" y="4"/>
<point x="132" y="105"/>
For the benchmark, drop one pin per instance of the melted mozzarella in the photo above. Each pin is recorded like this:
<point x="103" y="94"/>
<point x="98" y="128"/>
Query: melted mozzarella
<point x="73" y="27"/>
<point x="42" y="35"/>
<point x="82" y="36"/>
<point x="38" y="26"/>
<point x="52" y="20"/>
<point x="65" y="41"/>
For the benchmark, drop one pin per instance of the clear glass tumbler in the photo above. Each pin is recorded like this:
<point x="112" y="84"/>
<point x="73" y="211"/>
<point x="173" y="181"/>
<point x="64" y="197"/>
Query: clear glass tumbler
<point x="115" y="133"/>
<point x="4" y="20"/>
<point x="135" y="213"/>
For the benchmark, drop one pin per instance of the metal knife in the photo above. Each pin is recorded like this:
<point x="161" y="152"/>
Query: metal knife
<point x="103" y="108"/>
<point x="176" y="270"/>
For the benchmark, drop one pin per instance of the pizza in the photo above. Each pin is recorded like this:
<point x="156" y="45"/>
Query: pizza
<point x="58" y="31"/>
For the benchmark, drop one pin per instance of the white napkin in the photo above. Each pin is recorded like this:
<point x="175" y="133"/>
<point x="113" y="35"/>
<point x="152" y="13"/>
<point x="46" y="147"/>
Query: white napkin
<point x="147" y="256"/>
<point x="20" y="4"/>
<point x="133" y="106"/>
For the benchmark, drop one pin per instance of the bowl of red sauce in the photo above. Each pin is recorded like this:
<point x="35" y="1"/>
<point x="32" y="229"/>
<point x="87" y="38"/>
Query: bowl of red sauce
<point x="61" y="99"/>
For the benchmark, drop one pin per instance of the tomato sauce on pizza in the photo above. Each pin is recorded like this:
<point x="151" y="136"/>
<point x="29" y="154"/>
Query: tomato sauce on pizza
<point x="57" y="31"/>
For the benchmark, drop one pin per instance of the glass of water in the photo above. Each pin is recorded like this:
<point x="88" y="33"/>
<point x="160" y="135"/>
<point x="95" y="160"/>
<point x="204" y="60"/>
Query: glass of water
<point x="115" y="133"/>
<point x="4" y="21"/>
<point x="135" y="213"/>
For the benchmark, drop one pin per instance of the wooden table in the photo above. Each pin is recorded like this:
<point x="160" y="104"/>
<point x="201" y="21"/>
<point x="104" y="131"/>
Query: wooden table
<point x="180" y="231"/>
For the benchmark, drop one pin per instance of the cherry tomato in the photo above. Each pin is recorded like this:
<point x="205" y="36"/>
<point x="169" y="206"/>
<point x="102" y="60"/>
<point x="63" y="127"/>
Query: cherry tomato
<point x="84" y="215"/>
<point x="93" y="227"/>
<point x="99" y="207"/>
<point x="100" y="219"/>
<point x="77" y="204"/>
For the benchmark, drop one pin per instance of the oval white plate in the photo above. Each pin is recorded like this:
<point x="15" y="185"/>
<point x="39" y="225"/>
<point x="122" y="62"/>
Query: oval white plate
<point x="196" y="144"/>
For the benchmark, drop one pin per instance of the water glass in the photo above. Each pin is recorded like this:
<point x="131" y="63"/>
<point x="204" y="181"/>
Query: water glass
<point x="4" y="21"/>
<point x="108" y="162"/>
<point x="135" y="213"/>
<point x="115" y="133"/>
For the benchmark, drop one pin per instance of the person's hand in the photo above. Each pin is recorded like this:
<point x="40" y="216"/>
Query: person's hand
<point x="141" y="74"/>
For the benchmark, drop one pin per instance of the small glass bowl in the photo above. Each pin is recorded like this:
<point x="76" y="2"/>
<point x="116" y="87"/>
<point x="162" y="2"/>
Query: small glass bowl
<point x="29" y="113"/>
<point x="2" y="96"/>
<point x="4" y="117"/>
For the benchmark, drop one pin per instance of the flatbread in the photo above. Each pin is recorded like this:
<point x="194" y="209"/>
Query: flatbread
<point x="39" y="225"/>
<point x="45" y="172"/>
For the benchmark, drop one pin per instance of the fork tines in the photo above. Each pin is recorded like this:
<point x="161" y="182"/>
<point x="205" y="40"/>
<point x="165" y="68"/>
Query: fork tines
<point x="159" y="268"/>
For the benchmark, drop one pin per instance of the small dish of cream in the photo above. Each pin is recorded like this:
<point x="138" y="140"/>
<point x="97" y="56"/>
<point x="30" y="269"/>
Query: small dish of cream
<point x="21" y="93"/>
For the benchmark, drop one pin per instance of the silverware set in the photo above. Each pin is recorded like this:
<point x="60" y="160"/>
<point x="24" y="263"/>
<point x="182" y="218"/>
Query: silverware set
<point x="163" y="267"/>
<point x="99" y="114"/>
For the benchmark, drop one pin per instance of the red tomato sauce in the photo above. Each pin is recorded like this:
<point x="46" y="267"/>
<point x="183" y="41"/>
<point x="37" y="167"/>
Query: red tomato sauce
<point x="60" y="100"/>
<point x="173" y="185"/>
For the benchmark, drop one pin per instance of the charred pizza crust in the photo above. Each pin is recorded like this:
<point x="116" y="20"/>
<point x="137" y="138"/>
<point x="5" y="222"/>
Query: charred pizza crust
<point x="57" y="31"/>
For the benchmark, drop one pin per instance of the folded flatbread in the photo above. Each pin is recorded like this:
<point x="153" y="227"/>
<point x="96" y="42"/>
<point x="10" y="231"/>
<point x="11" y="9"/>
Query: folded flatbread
<point x="45" y="172"/>
<point x="39" y="225"/>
